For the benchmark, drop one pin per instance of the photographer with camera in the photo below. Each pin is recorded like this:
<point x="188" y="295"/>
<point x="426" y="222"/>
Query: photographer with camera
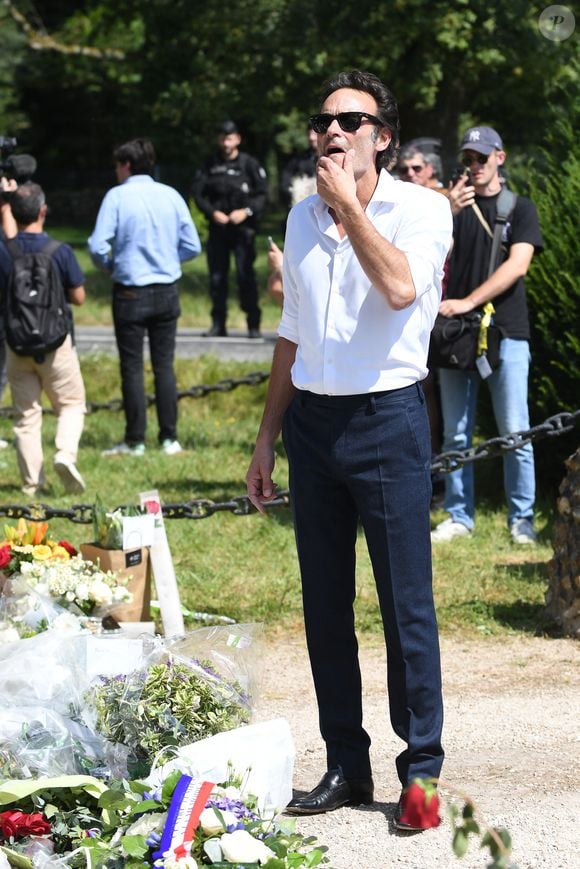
<point x="38" y="277"/>
<point x="483" y="208"/>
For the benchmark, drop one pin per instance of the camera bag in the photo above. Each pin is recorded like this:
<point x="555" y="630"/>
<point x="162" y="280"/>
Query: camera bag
<point x="459" y="342"/>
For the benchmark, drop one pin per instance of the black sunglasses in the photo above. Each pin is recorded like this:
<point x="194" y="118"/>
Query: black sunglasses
<point x="479" y="158"/>
<point x="404" y="170"/>
<point x="349" y="122"/>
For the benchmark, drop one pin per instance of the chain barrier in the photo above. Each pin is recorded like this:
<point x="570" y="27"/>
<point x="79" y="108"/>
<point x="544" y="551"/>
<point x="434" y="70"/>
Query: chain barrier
<point x="200" y="391"/>
<point x="240" y="505"/>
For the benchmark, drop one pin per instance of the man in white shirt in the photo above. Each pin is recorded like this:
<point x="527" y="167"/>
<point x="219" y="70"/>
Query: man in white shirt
<point x="363" y="261"/>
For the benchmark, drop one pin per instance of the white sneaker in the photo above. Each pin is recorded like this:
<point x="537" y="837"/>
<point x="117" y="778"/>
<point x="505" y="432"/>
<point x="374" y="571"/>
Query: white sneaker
<point x="70" y="476"/>
<point x="171" y="448"/>
<point x="449" y="529"/>
<point x="522" y="532"/>
<point x="125" y="450"/>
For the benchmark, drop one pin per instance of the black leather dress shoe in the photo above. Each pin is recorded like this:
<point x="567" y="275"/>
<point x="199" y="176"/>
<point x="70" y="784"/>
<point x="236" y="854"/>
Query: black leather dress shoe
<point x="254" y="333"/>
<point x="215" y="331"/>
<point x="332" y="792"/>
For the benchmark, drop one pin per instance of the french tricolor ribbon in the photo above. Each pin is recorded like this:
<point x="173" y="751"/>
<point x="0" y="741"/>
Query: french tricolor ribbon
<point x="187" y="804"/>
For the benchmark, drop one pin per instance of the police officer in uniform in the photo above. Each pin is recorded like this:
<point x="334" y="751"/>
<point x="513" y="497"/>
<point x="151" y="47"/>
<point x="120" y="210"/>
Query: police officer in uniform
<point x="230" y="189"/>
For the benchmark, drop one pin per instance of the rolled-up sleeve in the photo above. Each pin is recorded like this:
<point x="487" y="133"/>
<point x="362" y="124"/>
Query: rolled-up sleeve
<point x="424" y="235"/>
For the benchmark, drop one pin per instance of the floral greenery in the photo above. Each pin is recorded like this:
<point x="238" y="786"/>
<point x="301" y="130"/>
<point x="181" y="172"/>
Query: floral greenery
<point x="166" y="705"/>
<point x="123" y="827"/>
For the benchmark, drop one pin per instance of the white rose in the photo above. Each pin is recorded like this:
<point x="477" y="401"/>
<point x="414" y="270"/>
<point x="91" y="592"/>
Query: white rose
<point x="82" y="591"/>
<point x="211" y="823"/>
<point x="241" y="847"/>
<point x="146" y="824"/>
<point x="101" y="593"/>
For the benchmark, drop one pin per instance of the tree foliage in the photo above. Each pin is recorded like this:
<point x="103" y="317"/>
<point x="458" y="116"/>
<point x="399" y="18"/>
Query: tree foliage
<point x="185" y="64"/>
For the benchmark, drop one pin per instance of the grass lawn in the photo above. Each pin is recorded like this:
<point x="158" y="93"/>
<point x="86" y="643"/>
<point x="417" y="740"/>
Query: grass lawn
<point x="245" y="566"/>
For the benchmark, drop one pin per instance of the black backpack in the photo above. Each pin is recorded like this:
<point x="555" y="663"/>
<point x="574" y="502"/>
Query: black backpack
<point x="37" y="318"/>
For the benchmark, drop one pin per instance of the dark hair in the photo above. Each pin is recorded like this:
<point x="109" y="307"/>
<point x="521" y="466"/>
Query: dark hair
<point x="26" y="202"/>
<point x="387" y="109"/>
<point x="139" y="154"/>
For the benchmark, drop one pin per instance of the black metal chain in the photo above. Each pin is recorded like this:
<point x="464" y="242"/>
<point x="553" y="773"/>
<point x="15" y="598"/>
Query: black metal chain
<point x="240" y="505"/>
<point x="199" y="391"/>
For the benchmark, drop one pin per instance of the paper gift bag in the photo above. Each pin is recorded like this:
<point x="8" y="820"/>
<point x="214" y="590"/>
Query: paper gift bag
<point x="132" y="563"/>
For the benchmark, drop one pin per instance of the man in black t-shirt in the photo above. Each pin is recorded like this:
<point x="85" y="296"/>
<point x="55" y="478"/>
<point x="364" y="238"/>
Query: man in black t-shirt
<point x="230" y="189"/>
<point x="473" y="202"/>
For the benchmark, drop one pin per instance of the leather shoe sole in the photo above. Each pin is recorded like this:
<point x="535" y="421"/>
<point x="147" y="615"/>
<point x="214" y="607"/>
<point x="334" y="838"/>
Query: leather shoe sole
<point x="332" y="792"/>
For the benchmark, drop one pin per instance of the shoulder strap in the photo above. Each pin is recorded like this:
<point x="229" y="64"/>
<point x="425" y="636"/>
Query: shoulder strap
<point x="506" y="202"/>
<point x="51" y="246"/>
<point x="13" y="247"/>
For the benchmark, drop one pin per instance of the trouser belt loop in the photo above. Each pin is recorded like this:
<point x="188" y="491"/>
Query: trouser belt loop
<point x="371" y="406"/>
<point x="420" y="392"/>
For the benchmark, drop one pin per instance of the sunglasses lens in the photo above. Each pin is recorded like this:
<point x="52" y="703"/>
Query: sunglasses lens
<point x="480" y="158"/>
<point x="350" y="121"/>
<point x="320" y="123"/>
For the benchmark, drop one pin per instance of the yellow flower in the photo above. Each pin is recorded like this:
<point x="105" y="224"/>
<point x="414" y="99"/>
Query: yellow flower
<point x="42" y="552"/>
<point x="59" y="552"/>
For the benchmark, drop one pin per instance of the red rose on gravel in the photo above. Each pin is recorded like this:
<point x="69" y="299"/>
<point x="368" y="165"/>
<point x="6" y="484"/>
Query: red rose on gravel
<point x="420" y="810"/>
<point x="35" y="825"/>
<point x="69" y="547"/>
<point x="5" y="556"/>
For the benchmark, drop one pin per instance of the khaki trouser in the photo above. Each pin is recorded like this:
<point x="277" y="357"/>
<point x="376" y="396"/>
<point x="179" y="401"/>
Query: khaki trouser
<point x="60" y="378"/>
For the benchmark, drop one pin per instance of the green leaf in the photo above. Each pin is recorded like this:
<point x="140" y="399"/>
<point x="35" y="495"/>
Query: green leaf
<point x="460" y="842"/>
<point x="135" y="846"/>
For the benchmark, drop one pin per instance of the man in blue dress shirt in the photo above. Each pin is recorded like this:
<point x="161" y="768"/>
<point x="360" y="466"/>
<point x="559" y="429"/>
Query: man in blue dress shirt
<point x="144" y="231"/>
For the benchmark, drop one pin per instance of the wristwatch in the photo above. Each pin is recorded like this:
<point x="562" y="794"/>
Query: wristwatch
<point x="248" y="211"/>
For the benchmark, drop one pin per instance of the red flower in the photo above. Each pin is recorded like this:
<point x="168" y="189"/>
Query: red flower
<point x="420" y="809"/>
<point x="10" y="823"/>
<point x="152" y="506"/>
<point x="35" y="825"/>
<point x="14" y="823"/>
<point x="69" y="547"/>
<point x="5" y="555"/>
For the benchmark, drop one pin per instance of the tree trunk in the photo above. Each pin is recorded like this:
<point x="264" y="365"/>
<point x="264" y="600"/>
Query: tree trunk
<point x="563" y="595"/>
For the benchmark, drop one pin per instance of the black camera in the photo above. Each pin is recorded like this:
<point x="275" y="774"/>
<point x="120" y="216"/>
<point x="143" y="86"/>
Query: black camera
<point x="19" y="167"/>
<point x="458" y="173"/>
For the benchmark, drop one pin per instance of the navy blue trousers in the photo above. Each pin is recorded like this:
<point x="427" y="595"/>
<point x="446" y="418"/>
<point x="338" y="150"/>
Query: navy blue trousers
<point x="366" y="458"/>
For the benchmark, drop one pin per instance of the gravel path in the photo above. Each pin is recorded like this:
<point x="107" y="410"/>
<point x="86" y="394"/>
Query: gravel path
<point x="512" y="709"/>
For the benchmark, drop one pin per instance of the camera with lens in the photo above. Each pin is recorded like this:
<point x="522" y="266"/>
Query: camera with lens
<point x="17" y="167"/>
<point x="459" y="172"/>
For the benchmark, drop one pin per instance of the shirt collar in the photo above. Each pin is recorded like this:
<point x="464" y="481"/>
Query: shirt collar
<point x="138" y="179"/>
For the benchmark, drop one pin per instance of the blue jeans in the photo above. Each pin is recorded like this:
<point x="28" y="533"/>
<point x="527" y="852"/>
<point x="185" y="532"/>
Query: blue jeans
<point x="366" y="458"/>
<point x="508" y="386"/>
<point x="153" y="309"/>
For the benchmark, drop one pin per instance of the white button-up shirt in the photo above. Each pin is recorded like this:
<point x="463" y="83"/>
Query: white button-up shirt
<point x="349" y="340"/>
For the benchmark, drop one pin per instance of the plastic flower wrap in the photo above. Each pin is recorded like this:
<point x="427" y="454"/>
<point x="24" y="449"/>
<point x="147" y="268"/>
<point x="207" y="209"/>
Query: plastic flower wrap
<point x="165" y="704"/>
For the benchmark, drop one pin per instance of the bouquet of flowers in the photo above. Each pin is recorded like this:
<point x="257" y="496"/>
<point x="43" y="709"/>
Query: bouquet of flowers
<point x="26" y="543"/>
<point x="126" y="824"/>
<point x="75" y="581"/>
<point x="164" y="705"/>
